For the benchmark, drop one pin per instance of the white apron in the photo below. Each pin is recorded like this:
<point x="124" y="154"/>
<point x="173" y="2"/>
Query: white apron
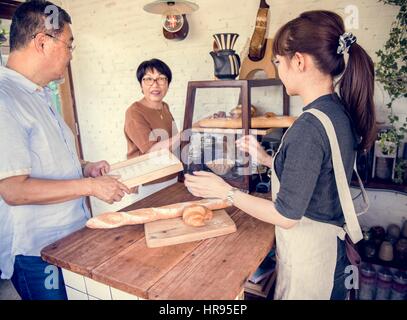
<point x="307" y="253"/>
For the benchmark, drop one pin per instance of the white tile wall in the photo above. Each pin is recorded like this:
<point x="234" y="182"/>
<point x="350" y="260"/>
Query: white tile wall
<point x="386" y="207"/>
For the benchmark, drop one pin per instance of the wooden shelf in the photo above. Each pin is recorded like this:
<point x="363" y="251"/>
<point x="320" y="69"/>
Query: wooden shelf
<point x="382" y="185"/>
<point x="7" y="8"/>
<point x="263" y="288"/>
<point x="258" y="132"/>
<point x="254" y="83"/>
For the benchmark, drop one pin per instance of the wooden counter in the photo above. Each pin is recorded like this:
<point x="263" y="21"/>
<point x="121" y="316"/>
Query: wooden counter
<point x="215" y="268"/>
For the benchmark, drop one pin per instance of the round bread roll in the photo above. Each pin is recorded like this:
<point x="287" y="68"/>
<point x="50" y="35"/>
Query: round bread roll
<point x="196" y="215"/>
<point x="236" y="113"/>
<point x="270" y="115"/>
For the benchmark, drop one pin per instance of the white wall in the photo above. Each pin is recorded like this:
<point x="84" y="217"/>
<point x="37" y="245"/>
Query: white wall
<point x="386" y="208"/>
<point x="114" y="36"/>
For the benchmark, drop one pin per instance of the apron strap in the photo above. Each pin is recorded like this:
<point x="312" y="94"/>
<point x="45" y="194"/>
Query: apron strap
<point x="363" y="191"/>
<point x="351" y="226"/>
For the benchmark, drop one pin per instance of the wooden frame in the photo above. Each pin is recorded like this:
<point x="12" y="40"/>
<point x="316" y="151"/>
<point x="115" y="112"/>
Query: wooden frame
<point x="244" y="99"/>
<point x="7" y="8"/>
<point x="68" y="106"/>
<point x="132" y="174"/>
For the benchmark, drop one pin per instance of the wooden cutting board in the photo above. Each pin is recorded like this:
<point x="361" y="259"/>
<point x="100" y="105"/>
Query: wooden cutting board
<point x="174" y="231"/>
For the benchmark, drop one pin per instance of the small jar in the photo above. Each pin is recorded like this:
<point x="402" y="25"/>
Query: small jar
<point x="367" y="282"/>
<point x="393" y="231"/>
<point x="369" y="250"/>
<point x="386" y="251"/>
<point x="404" y="229"/>
<point x="399" y="286"/>
<point x="401" y="252"/>
<point x="384" y="283"/>
<point x="220" y="146"/>
<point x="391" y="239"/>
<point x="378" y="233"/>
<point x="194" y="155"/>
<point x="208" y="150"/>
<point x="366" y="234"/>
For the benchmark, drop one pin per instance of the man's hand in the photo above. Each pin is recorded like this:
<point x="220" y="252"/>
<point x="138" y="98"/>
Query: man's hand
<point x="108" y="189"/>
<point x="134" y="190"/>
<point x="96" y="169"/>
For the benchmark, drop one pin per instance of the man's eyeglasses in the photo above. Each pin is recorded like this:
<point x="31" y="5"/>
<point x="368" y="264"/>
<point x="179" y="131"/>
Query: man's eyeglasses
<point x="70" y="47"/>
<point x="148" y="81"/>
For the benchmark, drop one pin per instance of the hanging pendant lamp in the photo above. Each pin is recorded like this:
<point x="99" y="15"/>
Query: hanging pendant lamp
<point x="175" y="24"/>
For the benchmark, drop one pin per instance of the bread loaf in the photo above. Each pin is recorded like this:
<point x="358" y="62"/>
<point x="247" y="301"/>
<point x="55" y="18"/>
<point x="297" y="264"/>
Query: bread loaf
<point x="263" y="122"/>
<point x="110" y="220"/>
<point x="196" y="215"/>
<point x="236" y="113"/>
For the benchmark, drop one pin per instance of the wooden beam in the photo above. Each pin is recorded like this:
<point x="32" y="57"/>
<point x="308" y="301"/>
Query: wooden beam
<point x="7" y="8"/>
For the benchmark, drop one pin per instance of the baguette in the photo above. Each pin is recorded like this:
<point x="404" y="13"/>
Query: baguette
<point x="111" y="220"/>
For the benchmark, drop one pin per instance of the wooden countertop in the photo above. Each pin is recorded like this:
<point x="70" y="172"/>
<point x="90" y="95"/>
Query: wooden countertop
<point x="215" y="268"/>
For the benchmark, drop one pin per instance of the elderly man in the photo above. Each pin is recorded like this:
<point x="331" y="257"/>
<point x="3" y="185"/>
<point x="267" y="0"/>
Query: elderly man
<point x="42" y="182"/>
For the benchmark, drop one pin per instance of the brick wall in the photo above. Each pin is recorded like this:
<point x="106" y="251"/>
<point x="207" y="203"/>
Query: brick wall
<point x="114" y="36"/>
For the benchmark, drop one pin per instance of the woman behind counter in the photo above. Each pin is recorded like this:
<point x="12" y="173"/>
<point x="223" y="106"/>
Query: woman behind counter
<point x="149" y="125"/>
<point x="308" y="184"/>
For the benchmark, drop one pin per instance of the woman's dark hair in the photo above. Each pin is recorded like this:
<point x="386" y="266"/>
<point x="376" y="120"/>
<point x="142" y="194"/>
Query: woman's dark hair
<point x="317" y="33"/>
<point x="152" y="64"/>
<point x="30" y="19"/>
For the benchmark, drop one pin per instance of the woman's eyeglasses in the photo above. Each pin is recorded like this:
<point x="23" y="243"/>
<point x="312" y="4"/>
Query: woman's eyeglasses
<point x="148" y="81"/>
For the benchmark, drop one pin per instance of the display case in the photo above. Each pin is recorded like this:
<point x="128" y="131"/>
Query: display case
<point x="213" y="149"/>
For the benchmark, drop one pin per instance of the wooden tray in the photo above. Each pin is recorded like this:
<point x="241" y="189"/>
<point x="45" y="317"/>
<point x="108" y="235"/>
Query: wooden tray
<point x="225" y="131"/>
<point x="256" y="122"/>
<point x="174" y="231"/>
<point x="146" y="168"/>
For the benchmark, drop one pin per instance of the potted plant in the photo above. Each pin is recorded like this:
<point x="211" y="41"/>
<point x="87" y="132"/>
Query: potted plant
<point x="391" y="71"/>
<point x="385" y="155"/>
<point x="388" y="143"/>
<point x="400" y="171"/>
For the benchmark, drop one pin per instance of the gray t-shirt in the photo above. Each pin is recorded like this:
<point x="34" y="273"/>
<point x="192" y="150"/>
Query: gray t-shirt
<point x="304" y="164"/>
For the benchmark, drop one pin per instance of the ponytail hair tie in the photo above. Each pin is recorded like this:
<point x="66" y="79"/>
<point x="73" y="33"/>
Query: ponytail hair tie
<point x="345" y="42"/>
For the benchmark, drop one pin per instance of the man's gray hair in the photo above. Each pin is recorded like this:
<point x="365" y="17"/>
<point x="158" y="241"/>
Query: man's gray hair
<point x="33" y="17"/>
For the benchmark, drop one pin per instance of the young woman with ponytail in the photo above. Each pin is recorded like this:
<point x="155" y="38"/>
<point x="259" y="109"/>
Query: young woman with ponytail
<point x="311" y="205"/>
